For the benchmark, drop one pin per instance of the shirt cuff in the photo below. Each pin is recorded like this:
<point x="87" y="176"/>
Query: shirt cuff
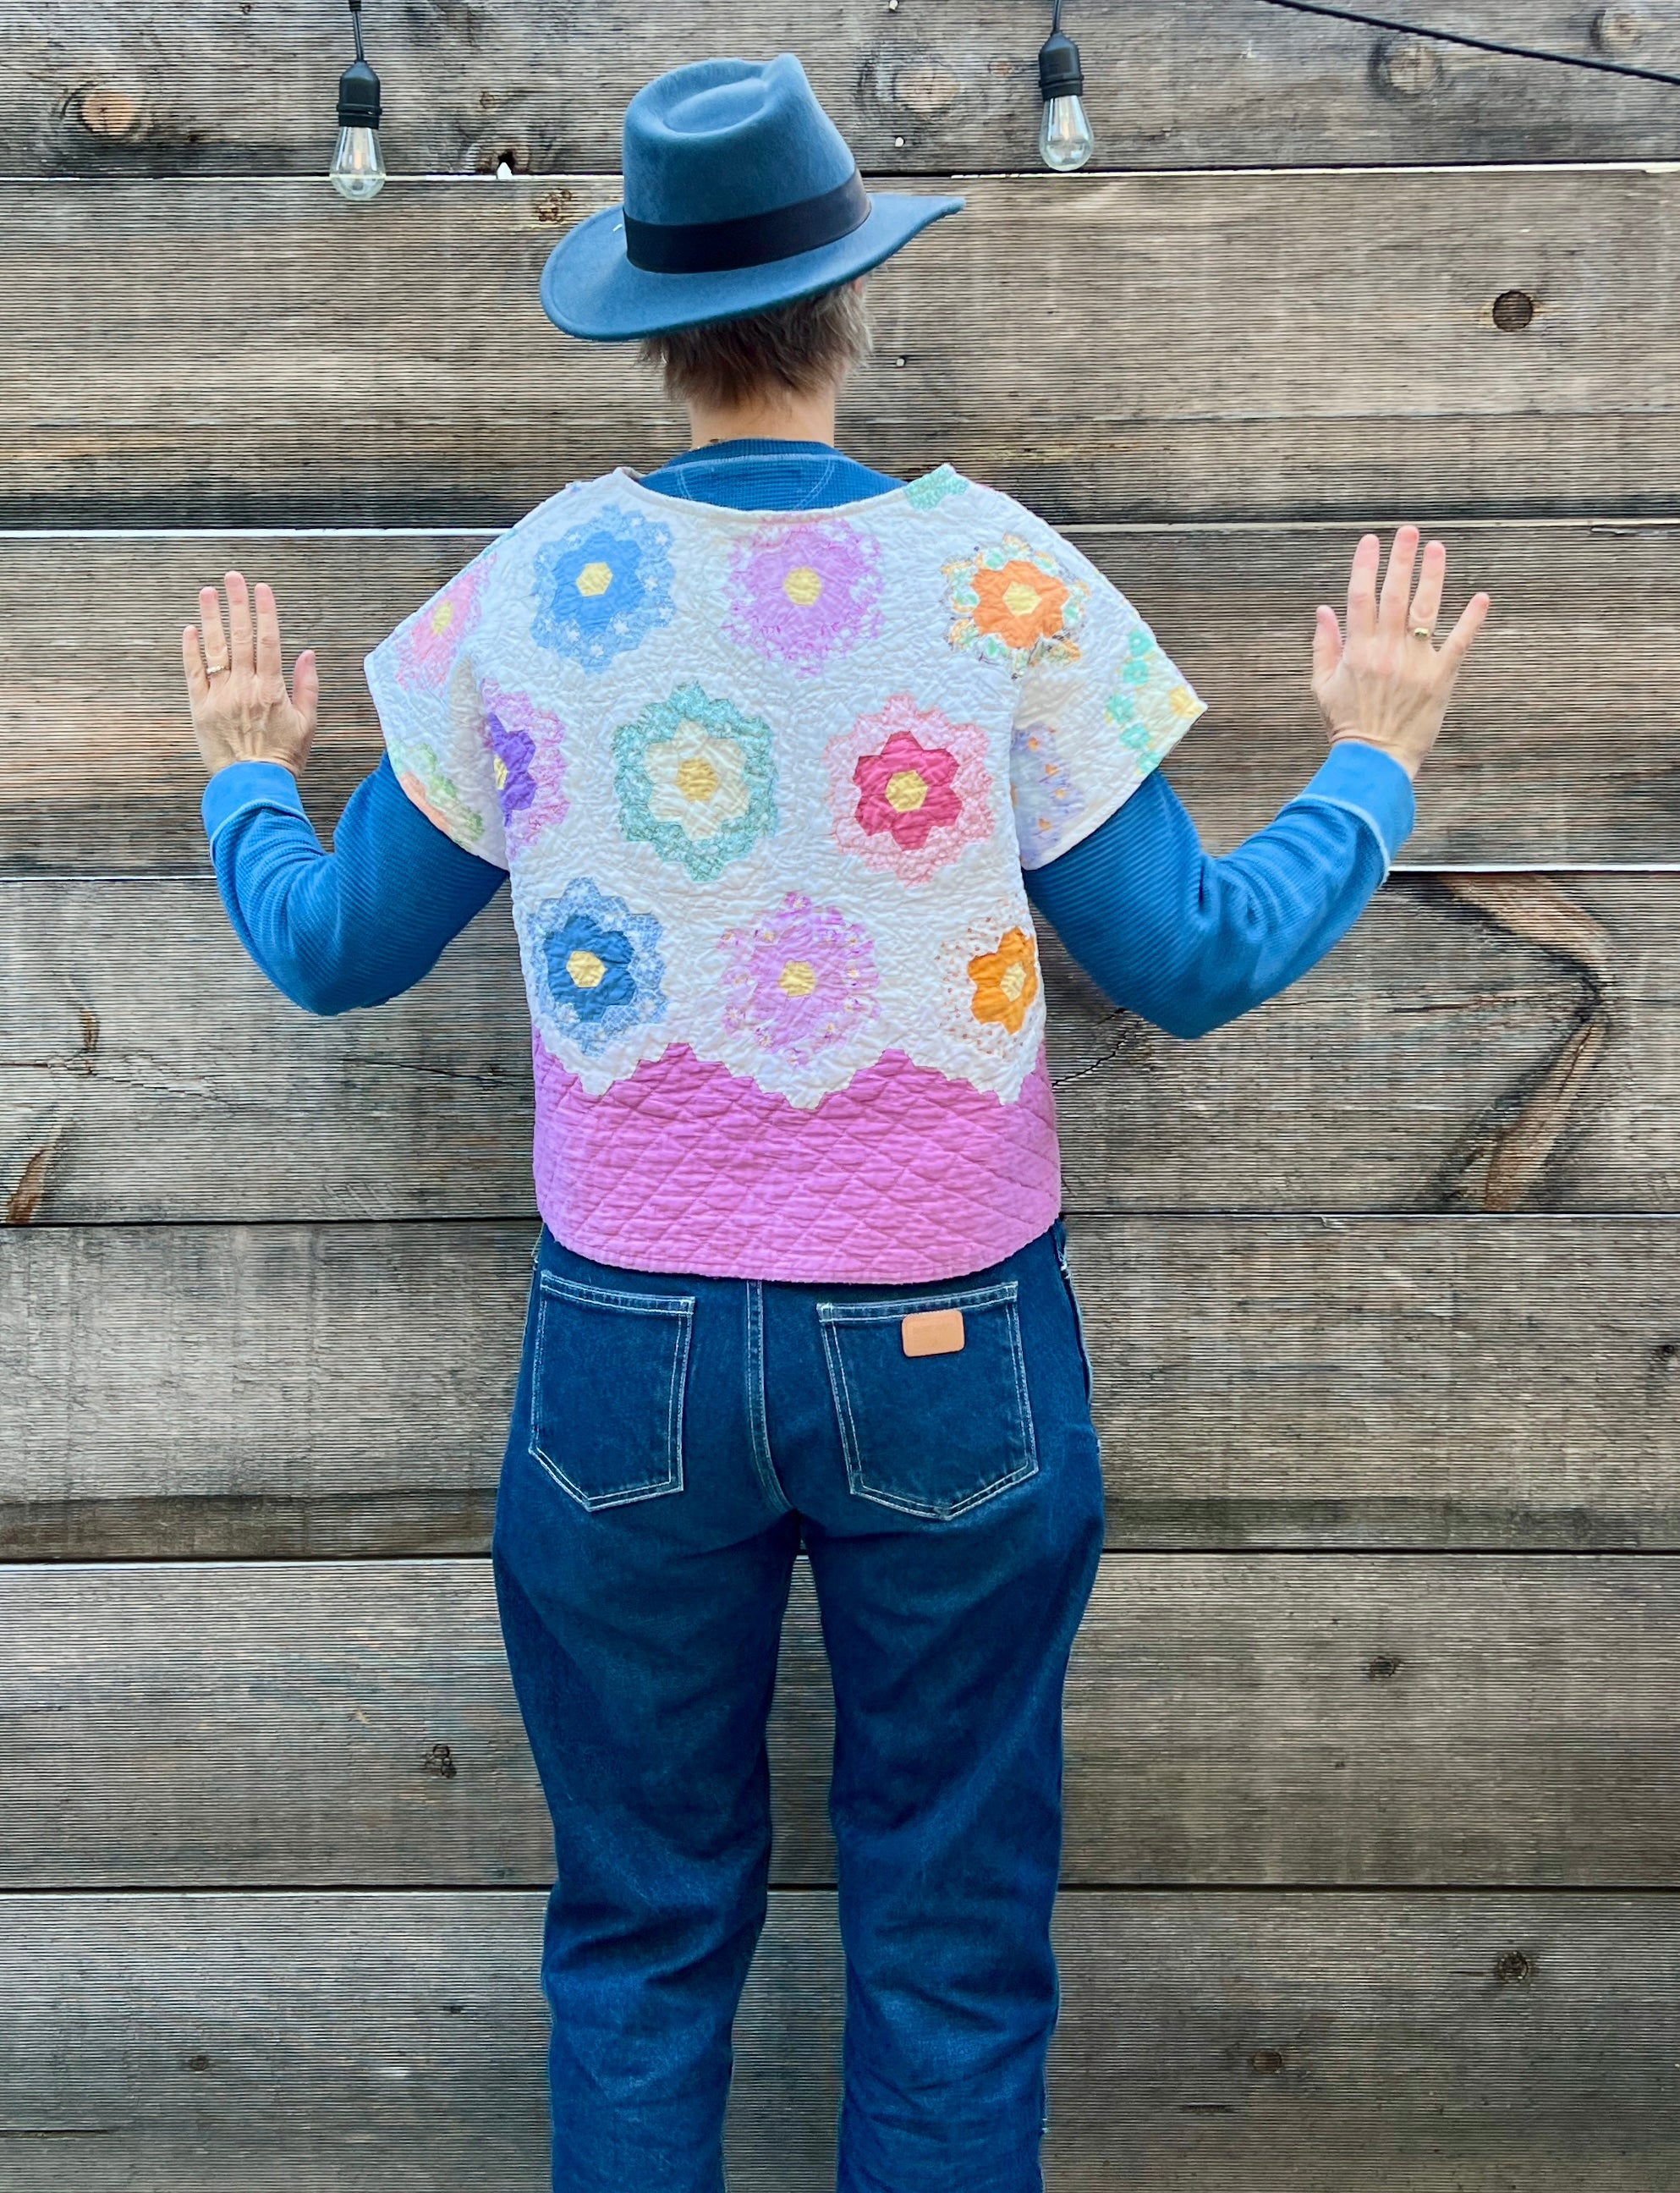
<point x="1365" y="781"/>
<point x="242" y="785"/>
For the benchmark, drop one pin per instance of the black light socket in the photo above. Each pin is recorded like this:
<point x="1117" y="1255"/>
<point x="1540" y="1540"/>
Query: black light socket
<point x="1060" y="75"/>
<point x="359" y="98"/>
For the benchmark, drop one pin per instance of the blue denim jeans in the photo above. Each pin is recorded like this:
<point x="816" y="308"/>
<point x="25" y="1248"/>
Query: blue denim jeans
<point x="675" y="1441"/>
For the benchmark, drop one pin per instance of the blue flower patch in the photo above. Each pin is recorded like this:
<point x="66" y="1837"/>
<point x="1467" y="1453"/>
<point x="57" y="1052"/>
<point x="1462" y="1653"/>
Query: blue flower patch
<point x="600" y="964"/>
<point x="603" y="588"/>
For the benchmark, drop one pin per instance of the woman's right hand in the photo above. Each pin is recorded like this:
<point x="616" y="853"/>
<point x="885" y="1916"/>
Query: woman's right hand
<point x="1385" y="683"/>
<point x="236" y="683"/>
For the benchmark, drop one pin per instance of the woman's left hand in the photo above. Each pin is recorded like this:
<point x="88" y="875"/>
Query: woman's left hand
<point x="236" y="683"/>
<point x="1385" y="683"/>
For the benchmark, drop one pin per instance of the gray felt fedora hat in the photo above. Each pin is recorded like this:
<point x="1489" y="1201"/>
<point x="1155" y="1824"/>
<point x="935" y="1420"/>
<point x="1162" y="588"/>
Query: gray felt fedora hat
<point x="738" y="193"/>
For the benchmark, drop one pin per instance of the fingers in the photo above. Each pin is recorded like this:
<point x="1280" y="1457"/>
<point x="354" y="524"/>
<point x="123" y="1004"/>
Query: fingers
<point x="271" y="670"/>
<point x="1326" y="644"/>
<point x="1396" y="585"/>
<point x="1457" y="642"/>
<point x="1431" y="582"/>
<point x="240" y="647"/>
<point x="215" y="640"/>
<point x="306" y="688"/>
<point x="1361" y="589"/>
<point x="192" y="662"/>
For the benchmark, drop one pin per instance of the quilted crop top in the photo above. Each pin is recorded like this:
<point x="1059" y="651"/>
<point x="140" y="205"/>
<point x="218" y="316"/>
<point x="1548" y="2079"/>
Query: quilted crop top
<point x="765" y="783"/>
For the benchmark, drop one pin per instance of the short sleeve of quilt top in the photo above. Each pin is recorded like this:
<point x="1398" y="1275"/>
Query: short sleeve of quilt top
<point x="1099" y="703"/>
<point x="436" y="710"/>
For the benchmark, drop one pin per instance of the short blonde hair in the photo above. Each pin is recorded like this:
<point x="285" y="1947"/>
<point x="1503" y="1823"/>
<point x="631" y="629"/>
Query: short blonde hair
<point x="810" y="344"/>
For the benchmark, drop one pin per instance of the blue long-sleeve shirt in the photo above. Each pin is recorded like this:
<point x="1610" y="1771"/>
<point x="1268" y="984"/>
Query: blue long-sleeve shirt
<point x="1187" y="940"/>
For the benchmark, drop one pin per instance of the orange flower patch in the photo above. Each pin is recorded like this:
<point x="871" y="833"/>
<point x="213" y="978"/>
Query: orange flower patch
<point x="1012" y="605"/>
<point x="1019" y="604"/>
<point x="1006" y="981"/>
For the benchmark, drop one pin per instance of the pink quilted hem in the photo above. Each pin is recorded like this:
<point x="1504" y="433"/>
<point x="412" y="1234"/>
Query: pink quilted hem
<point x="904" y="1175"/>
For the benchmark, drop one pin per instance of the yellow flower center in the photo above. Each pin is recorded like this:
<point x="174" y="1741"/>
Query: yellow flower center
<point x="443" y="616"/>
<point x="798" y="979"/>
<point x="1013" y="980"/>
<point x="1020" y="599"/>
<point x="594" y="580"/>
<point x="803" y="587"/>
<point x="500" y="768"/>
<point x="696" y="779"/>
<point x="906" y="791"/>
<point x="586" y="969"/>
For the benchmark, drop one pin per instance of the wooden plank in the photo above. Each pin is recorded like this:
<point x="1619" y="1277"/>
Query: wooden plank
<point x="210" y="1391"/>
<point x="107" y="88"/>
<point x="338" y="1391"/>
<point x="308" y="2043"/>
<point x="1423" y="1381"/>
<point x="1287" y="1718"/>
<point x="1478" y="1044"/>
<point x="1173" y="346"/>
<point x="1562" y="747"/>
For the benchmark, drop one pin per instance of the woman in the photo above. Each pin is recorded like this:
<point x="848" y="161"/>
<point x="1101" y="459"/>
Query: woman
<point x="777" y="751"/>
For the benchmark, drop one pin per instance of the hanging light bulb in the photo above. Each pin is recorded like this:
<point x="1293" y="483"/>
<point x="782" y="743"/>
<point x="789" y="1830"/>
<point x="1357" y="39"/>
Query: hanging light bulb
<point x="1065" y="140"/>
<point x="357" y="172"/>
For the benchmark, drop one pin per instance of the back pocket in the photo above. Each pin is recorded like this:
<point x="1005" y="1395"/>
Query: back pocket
<point x="608" y="1375"/>
<point x="931" y="1435"/>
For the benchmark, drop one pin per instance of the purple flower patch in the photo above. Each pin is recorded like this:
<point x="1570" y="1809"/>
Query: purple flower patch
<point x="799" y="979"/>
<point x="805" y="592"/>
<point x="527" y="756"/>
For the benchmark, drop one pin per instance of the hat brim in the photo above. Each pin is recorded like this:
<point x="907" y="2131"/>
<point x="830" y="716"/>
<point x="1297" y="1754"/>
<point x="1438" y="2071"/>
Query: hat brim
<point x="590" y="290"/>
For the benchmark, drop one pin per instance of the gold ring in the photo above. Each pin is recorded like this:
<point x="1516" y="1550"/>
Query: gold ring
<point x="1423" y="631"/>
<point x="215" y="669"/>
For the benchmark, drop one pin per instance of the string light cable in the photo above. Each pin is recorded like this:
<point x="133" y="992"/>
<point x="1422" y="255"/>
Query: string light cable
<point x="1592" y="62"/>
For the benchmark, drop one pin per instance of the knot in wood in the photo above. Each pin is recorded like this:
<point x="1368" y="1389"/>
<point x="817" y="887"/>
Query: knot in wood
<point x="197" y="2062"/>
<point x="1618" y="30"/>
<point x="104" y="112"/>
<point x="925" y="87"/>
<point x="1410" y="68"/>
<point x="441" y="1760"/>
<point x="553" y="206"/>
<point x="1513" y="310"/>
<point x="1268" y="2061"/>
<point x="1513" y="1969"/>
<point x="1385" y="1667"/>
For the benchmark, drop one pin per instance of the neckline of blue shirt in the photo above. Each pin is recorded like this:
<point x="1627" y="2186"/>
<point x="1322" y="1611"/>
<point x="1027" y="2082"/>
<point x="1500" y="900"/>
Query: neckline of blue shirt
<point x="754" y="472"/>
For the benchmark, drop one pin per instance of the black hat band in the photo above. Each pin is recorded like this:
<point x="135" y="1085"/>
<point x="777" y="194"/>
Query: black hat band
<point x="756" y="239"/>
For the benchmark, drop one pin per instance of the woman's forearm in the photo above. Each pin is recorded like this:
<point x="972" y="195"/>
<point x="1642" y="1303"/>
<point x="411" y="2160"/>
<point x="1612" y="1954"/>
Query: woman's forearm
<point x="1190" y="942"/>
<point x="352" y="927"/>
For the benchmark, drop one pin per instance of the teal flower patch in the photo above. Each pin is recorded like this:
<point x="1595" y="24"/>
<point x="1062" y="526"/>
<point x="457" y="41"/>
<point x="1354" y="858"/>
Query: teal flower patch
<point x="933" y="487"/>
<point x="695" y="781"/>
<point x="1153" y="704"/>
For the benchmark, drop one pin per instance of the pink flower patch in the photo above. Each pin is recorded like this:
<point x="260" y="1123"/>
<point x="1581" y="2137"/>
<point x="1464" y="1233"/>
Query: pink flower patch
<point x="908" y="789"/>
<point x="805" y="593"/>
<point x="799" y="979"/>
<point x="429" y="643"/>
<point x="905" y="790"/>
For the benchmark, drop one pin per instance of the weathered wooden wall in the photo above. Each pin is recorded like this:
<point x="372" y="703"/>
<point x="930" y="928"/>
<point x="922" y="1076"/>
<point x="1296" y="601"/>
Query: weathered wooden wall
<point x="1370" y="1872"/>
